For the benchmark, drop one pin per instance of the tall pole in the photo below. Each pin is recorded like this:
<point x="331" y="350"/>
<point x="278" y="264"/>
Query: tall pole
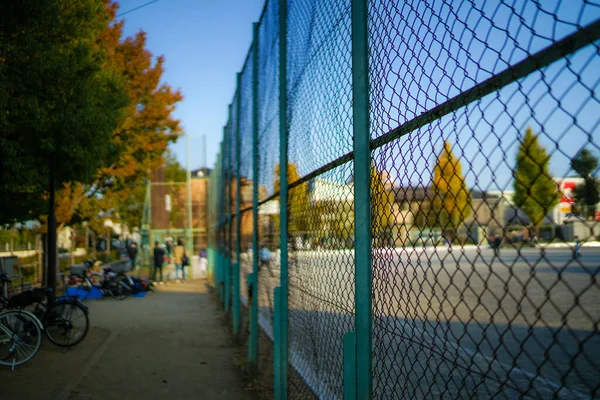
<point x="51" y="277"/>
<point x="190" y="235"/>
<point x="204" y="151"/>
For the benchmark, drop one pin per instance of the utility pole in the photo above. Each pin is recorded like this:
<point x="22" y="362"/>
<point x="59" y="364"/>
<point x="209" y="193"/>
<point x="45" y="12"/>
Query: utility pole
<point x="52" y="255"/>
<point x="190" y="238"/>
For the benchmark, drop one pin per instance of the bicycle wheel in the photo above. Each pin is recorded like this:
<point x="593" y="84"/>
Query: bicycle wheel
<point x="20" y="337"/>
<point x="119" y="287"/>
<point x="66" y="323"/>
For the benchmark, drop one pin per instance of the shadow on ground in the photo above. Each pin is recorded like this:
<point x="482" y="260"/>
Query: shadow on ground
<point x="171" y="344"/>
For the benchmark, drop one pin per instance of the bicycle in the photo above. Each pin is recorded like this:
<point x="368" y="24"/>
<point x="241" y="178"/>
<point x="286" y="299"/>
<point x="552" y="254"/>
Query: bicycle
<point x="65" y="320"/>
<point x="82" y="277"/>
<point x="20" y="337"/>
<point x="111" y="282"/>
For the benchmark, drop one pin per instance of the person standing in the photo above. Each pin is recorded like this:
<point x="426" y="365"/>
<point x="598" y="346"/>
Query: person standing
<point x="497" y="244"/>
<point x="179" y="254"/>
<point x="203" y="264"/>
<point x="577" y="248"/>
<point x="159" y="258"/>
<point x="132" y="252"/>
<point x="170" y="259"/>
<point x="265" y="258"/>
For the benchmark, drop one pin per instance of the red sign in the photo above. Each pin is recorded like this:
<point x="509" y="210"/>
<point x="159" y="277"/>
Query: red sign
<point x="597" y="215"/>
<point x="567" y="189"/>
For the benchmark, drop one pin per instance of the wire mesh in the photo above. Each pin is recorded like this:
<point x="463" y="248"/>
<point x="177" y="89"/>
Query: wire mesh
<point x="319" y="82"/>
<point x="246" y="254"/>
<point x="485" y="217"/>
<point x="268" y="99"/>
<point x="320" y="225"/>
<point x="268" y="149"/>
<point x="268" y="262"/>
<point x="233" y="182"/>
<point x="476" y="288"/>
<point x="321" y="279"/>
<point x="246" y="175"/>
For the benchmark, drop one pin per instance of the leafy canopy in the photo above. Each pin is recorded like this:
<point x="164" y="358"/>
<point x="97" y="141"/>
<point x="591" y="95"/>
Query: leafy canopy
<point x="451" y="203"/>
<point x="59" y="101"/>
<point x="536" y="192"/>
<point x="587" y="194"/>
<point x="140" y="139"/>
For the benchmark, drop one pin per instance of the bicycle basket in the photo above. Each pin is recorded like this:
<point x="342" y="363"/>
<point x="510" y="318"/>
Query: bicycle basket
<point x="78" y="270"/>
<point x="121" y="266"/>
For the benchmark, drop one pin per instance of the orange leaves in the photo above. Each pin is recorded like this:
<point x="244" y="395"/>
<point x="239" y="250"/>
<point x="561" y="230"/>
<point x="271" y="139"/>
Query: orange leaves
<point x="143" y="134"/>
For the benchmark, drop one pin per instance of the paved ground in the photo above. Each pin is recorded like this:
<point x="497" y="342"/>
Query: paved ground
<point x="172" y="344"/>
<point x="452" y="323"/>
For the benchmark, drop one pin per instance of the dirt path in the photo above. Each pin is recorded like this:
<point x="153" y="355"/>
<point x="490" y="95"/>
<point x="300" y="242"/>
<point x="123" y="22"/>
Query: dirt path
<point x="169" y="345"/>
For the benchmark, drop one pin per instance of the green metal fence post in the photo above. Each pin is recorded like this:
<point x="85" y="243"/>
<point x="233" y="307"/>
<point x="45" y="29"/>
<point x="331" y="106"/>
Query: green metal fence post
<point x="217" y="210"/>
<point x="238" y="226"/>
<point x="283" y="199"/>
<point x="222" y="178"/>
<point x="254" y="306"/>
<point x="250" y="300"/>
<point x="350" y="366"/>
<point x="228" y="214"/>
<point x="362" y="198"/>
<point x="277" y="325"/>
<point x="224" y="200"/>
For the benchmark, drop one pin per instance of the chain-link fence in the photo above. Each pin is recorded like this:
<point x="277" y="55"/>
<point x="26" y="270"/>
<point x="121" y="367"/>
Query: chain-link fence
<point x="436" y="230"/>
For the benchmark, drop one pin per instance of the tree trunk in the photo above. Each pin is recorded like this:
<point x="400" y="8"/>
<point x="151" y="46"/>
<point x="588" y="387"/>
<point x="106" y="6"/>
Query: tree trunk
<point x="52" y="253"/>
<point x="108" y="239"/>
<point x="39" y="247"/>
<point x="73" y="237"/>
<point x="87" y="239"/>
<point x="94" y="241"/>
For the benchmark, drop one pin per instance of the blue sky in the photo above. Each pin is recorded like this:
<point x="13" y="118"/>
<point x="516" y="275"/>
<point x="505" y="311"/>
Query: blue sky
<point x="205" y="44"/>
<point x="433" y="55"/>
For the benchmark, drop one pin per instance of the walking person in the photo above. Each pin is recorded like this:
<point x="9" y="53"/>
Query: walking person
<point x="180" y="256"/>
<point x="159" y="259"/>
<point x="497" y="243"/>
<point x="170" y="258"/>
<point x="265" y="259"/>
<point x="577" y="248"/>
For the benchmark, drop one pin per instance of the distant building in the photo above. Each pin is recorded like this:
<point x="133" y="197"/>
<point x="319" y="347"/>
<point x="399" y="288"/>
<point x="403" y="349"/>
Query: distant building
<point x="165" y="196"/>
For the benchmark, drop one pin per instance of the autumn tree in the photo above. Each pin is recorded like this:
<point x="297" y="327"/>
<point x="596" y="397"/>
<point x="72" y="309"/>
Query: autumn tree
<point x="298" y="200"/>
<point x="451" y="203"/>
<point x="331" y="216"/>
<point x="588" y="193"/>
<point x="382" y="201"/>
<point x="60" y="101"/>
<point x="142" y="137"/>
<point x="536" y="192"/>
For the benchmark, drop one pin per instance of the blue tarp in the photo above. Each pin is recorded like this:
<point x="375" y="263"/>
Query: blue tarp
<point x="94" y="293"/>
